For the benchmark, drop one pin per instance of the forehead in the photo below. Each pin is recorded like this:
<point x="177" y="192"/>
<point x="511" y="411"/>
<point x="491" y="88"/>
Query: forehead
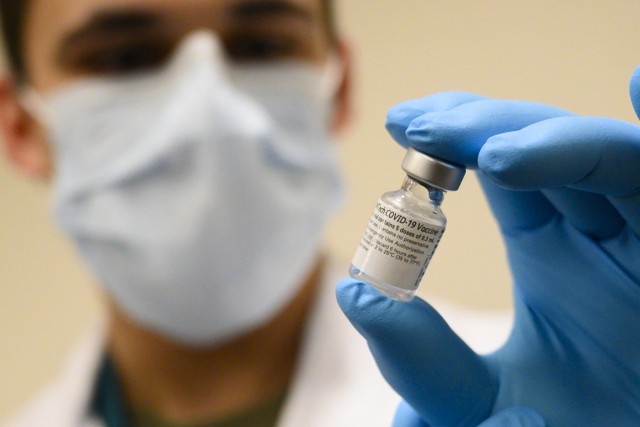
<point x="60" y="15"/>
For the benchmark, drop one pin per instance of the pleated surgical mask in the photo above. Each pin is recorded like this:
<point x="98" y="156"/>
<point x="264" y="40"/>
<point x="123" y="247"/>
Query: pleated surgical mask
<point x="197" y="194"/>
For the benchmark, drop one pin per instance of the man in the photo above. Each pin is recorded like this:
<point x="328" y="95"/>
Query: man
<point x="188" y="146"/>
<point x="192" y="170"/>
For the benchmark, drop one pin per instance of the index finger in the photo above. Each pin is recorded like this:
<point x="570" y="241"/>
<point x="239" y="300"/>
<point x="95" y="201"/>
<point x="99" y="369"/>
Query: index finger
<point x="400" y="116"/>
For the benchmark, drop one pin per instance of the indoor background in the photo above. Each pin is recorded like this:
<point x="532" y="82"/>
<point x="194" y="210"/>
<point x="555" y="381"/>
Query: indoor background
<point x="575" y="54"/>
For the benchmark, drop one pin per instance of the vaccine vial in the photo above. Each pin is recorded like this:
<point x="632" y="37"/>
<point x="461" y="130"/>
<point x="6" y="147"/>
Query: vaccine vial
<point x="406" y="227"/>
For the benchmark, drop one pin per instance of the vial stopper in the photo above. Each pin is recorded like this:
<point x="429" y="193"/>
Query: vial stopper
<point x="432" y="171"/>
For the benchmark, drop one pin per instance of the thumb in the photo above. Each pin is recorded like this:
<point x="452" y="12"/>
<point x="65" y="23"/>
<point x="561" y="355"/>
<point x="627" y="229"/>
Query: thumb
<point x="510" y="417"/>
<point x="406" y="417"/>
<point x="634" y="91"/>
<point x="444" y="381"/>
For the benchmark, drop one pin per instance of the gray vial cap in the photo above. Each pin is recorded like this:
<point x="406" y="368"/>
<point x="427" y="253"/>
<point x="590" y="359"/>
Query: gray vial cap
<point x="432" y="171"/>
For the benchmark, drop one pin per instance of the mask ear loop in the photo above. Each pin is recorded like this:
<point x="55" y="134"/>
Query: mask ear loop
<point x="331" y="76"/>
<point x="35" y="105"/>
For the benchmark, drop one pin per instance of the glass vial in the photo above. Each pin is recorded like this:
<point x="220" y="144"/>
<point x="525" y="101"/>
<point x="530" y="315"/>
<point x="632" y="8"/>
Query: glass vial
<point x="406" y="227"/>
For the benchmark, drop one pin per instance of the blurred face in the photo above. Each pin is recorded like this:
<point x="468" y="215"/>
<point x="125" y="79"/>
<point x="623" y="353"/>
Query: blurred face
<point x="70" y="39"/>
<point x="144" y="169"/>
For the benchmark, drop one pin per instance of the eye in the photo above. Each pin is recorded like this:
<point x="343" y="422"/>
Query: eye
<point x="124" y="59"/>
<point x="260" y="48"/>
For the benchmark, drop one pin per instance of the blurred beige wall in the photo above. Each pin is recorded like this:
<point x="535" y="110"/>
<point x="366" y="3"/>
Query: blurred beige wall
<point x="575" y="54"/>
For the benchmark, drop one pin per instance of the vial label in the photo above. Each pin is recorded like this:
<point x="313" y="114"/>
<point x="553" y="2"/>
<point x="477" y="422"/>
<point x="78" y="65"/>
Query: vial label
<point x="396" y="248"/>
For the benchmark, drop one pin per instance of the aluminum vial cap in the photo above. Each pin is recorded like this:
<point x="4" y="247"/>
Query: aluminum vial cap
<point x="432" y="171"/>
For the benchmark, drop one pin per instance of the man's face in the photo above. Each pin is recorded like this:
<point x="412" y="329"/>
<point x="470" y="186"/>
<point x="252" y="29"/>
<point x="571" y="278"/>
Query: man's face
<point x="70" y="39"/>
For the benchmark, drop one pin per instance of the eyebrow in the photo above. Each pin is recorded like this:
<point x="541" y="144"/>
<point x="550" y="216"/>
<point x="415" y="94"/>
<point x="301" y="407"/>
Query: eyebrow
<point x="108" y="23"/>
<point x="104" y="23"/>
<point x="260" y="9"/>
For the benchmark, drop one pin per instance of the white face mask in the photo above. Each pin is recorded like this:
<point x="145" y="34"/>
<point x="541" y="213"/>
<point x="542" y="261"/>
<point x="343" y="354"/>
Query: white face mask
<point x="198" y="202"/>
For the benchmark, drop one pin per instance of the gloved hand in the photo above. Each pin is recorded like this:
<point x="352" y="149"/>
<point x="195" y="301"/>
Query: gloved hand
<point x="566" y="193"/>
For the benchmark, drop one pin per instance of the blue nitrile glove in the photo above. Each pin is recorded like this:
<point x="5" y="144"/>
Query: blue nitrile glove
<point x="566" y="193"/>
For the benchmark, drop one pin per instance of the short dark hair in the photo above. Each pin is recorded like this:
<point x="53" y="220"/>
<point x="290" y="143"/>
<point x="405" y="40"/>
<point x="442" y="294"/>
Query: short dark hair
<point x="13" y="14"/>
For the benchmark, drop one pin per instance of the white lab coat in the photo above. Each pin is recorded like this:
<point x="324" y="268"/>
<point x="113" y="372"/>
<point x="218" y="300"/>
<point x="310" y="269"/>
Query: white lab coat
<point x="337" y="383"/>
